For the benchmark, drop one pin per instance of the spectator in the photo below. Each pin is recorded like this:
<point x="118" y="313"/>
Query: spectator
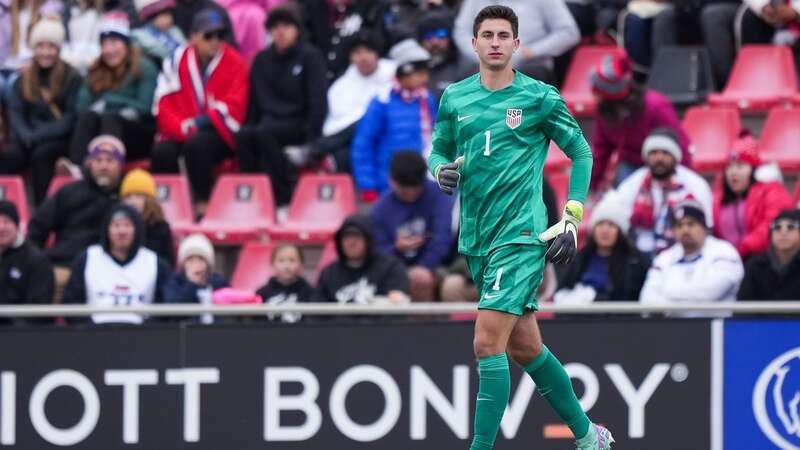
<point x="402" y="17"/>
<point x="201" y="101"/>
<point x="361" y="272"/>
<point x="717" y="25"/>
<point x="412" y="222"/>
<point x="648" y="26"/>
<point x="287" y="103"/>
<point x="770" y="22"/>
<point x="26" y="275"/>
<point x="287" y="286"/>
<point x="447" y="64"/>
<point x="20" y="16"/>
<point x="650" y="193"/>
<point x="609" y="267"/>
<point x="775" y="274"/>
<point x="158" y="36"/>
<point x="247" y="17"/>
<point x="82" y="20"/>
<point x="117" y="95"/>
<point x="118" y="271"/>
<point x="41" y="109"/>
<point x="74" y="212"/>
<point x="547" y="30"/>
<point x="138" y="190"/>
<point x="400" y="119"/>
<point x="626" y="114"/>
<point x="348" y="97"/>
<point x="196" y="280"/>
<point x="743" y="206"/>
<point x="187" y="10"/>
<point x="699" y="268"/>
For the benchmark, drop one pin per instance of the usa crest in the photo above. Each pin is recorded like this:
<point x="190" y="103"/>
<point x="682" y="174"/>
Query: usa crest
<point x="513" y="118"/>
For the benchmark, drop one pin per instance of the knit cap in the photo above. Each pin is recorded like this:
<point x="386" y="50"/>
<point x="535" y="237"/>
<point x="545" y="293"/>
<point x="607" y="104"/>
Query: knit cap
<point x="196" y="245"/>
<point x="745" y="150"/>
<point x="107" y="143"/>
<point x="664" y="139"/>
<point x="9" y="210"/>
<point x="115" y="24"/>
<point x="610" y="209"/>
<point x="612" y="78"/>
<point x="150" y="8"/>
<point x="47" y="30"/>
<point x="138" y="181"/>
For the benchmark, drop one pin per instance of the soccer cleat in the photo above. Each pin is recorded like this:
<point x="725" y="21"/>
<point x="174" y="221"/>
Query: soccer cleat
<point x="598" y="438"/>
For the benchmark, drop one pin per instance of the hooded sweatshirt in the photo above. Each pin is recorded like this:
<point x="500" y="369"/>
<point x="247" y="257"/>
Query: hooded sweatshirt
<point x="277" y="293"/>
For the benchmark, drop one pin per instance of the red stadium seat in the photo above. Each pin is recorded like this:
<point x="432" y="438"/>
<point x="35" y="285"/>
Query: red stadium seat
<point x="577" y="91"/>
<point x="712" y="132"/>
<point x="560" y="184"/>
<point x="319" y="205"/>
<point x="780" y="138"/>
<point x="328" y="256"/>
<point x="762" y="77"/>
<point x="556" y="160"/>
<point x="12" y="188"/>
<point x="254" y="267"/>
<point x="58" y="182"/>
<point x="172" y="193"/>
<point x="241" y="209"/>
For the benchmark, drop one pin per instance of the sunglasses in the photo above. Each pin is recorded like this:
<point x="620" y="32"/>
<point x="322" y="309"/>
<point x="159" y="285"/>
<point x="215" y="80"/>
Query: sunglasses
<point x="210" y="35"/>
<point x="440" y="33"/>
<point x="788" y="226"/>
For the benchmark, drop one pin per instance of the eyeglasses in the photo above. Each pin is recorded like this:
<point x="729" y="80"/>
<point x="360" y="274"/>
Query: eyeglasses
<point x="441" y="33"/>
<point x="788" y="226"/>
<point x="220" y="34"/>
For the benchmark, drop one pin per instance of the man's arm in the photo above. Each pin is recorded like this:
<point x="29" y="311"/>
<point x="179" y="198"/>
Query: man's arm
<point x="653" y="284"/>
<point x="562" y="31"/>
<point x="561" y="127"/>
<point x="443" y="141"/>
<point x="727" y="272"/>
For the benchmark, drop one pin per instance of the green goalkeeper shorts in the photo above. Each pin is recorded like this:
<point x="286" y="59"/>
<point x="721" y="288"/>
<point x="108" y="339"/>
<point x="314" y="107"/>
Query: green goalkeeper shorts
<point x="508" y="278"/>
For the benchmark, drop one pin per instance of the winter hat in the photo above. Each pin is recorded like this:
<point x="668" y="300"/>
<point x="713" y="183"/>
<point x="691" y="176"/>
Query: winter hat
<point x="209" y="20"/>
<point x="665" y="139"/>
<point x="434" y="23"/>
<point x="9" y="210"/>
<point x="409" y="56"/>
<point x="138" y="181"/>
<point x="689" y="208"/>
<point x="282" y="14"/>
<point x="196" y="245"/>
<point x="107" y="143"/>
<point x="610" y="208"/>
<point x="364" y="39"/>
<point x="745" y="150"/>
<point x="151" y="8"/>
<point x="47" y="30"/>
<point x="612" y="78"/>
<point x="115" y="24"/>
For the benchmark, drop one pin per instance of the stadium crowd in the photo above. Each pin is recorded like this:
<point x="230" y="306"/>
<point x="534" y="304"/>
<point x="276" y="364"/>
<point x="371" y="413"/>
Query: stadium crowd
<point x="115" y="93"/>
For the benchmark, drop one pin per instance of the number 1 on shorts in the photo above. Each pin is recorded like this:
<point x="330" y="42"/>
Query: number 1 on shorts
<point x="496" y="286"/>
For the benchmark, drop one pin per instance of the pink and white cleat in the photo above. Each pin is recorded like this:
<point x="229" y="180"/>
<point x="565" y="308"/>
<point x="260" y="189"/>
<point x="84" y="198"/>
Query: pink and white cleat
<point x="598" y="438"/>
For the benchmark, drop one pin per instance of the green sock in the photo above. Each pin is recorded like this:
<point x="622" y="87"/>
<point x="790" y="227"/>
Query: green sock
<point x="555" y="386"/>
<point x="494" y="389"/>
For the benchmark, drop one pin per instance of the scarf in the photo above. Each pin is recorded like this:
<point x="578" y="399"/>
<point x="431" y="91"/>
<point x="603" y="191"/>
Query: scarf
<point x="644" y="214"/>
<point x="421" y="95"/>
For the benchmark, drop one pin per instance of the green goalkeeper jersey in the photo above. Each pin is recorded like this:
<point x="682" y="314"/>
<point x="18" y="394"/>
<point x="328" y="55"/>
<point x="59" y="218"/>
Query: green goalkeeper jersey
<point x="504" y="137"/>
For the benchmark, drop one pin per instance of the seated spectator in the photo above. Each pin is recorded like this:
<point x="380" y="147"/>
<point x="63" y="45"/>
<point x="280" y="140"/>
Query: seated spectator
<point x="158" y="36"/>
<point x="400" y="119"/>
<point x="412" y="222"/>
<point x="82" y="20"/>
<point x="608" y="268"/>
<point x="348" y="97"/>
<point x="699" y="268"/>
<point x="447" y="64"/>
<point x="118" y="271"/>
<point x="546" y="31"/>
<point x="117" y="95"/>
<point x="717" y="25"/>
<point x="187" y="10"/>
<point x="41" y="109"/>
<point x="247" y="18"/>
<point x="743" y="206"/>
<point x="287" y="286"/>
<point x="775" y="274"/>
<point x="75" y="211"/>
<point x="26" y="275"/>
<point x="138" y="190"/>
<point x="361" y="273"/>
<point x="626" y="114"/>
<point x="196" y="280"/>
<point x="287" y="104"/>
<point x="650" y="193"/>
<point x="770" y="22"/>
<point x="18" y="18"/>
<point x="200" y="124"/>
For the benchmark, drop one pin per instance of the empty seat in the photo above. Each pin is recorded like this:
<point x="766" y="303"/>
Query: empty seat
<point x="241" y="209"/>
<point x="172" y="193"/>
<point x="12" y="188"/>
<point x="712" y="132"/>
<point x="683" y="74"/>
<point x="780" y="138"/>
<point x="556" y="160"/>
<point x="254" y="267"/>
<point x="762" y="77"/>
<point x="577" y="91"/>
<point x="328" y="256"/>
<point x="319" y="205"/>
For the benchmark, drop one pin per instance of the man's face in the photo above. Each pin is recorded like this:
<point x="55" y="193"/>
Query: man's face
<point x="407" y="194"/>
<point x="284" y="35"/>
<point x="113" y="50"/>
<point x="785" y="235"/>
<point x="436" y="42"/>
<point x="354" y="246"/>
<point x="495" y="43"/>
<point x="121" y="232"/>
<point x="105" y="169"/>
<point x="45" y="54"/>
<point x="209" y="43"/>
<point x="661" y="164"/>
<point x="690" y="233"/>
<point x="8" y="232"/>
<point x="365" y="60"/>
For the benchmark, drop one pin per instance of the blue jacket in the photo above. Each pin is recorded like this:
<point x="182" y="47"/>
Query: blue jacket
<point x="389" y="125"/>
<point x="430" y="215"/>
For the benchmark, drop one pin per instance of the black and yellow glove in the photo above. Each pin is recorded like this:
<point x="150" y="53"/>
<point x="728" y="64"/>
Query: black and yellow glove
<point x="564" y="234"/>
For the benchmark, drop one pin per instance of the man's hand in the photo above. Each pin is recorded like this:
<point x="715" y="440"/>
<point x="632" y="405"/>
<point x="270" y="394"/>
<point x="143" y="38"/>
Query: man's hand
<point x="406" y="242"/>
<point x="448" y="175"/>
<point x="564" y="234"/>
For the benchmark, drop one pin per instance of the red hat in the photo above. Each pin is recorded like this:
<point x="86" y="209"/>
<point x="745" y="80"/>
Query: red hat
<point x="745" y="150"/>
<point x="611" y="79"/>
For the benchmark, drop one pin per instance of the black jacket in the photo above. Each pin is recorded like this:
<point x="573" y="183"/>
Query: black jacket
<point x="158" y="238"/>
<point x="379" y="274"/>
<point x="179" y="289"/>
<point x="74" y="214"/>
<point x="26" y="276"/>
<point x="625" y="284"/>
<point x="276" y="293"/>
<point x="764" y="281"/>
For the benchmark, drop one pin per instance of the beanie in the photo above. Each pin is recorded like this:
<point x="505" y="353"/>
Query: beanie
<point x="115" y="24"/>
<point x="745" y="150"/>
<point x="787" y="214"/>
<point x="9" y="210"/>
<point x="409" y="56"/>
<point x="611" y="79"/>
<point x="610" y="209"/>
<point x="196" y="245"/>
<point x="150" y="8"/>
<point x="690" y="208"/>
<point x="664" y="139"/>
<point x="365" y="39"/>
<point x="107" y="143"/>
<point x="138" y="181"/>
<point x="282" y="14"/>
<point x="47" y="30"/>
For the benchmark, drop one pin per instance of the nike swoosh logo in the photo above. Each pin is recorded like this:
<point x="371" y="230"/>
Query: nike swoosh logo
<point x="460" y="118"/>
<point x="490" y="296"/>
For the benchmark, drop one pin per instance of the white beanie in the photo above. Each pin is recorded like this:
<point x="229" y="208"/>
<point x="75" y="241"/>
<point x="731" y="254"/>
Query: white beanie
<point x="116" y="24"/>
<point x="47" y="30"/>
<point x="196" y="245"/>
<point x="662" y="139"/>
<point x="610" y="208"/>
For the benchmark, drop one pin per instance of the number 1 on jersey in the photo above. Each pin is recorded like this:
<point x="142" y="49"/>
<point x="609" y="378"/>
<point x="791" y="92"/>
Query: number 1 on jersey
<point x="487" y="151"/>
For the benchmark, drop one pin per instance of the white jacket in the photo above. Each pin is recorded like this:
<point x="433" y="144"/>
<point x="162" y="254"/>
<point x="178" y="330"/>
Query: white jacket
<point x="713" y="275"/>
<point x="350" y="94"/>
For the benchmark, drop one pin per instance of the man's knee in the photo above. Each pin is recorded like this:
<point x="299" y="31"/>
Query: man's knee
<point x="454" y="288"/>
<point x="421" y="282"/>
<point x="524" y="353"/>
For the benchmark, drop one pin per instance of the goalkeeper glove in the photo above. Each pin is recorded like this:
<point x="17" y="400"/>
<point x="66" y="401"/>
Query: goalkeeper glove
<point x="564" y="234"/>
<point x="448" y="175"/>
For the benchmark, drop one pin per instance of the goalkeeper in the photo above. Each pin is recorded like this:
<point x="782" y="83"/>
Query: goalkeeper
<point x="491" y="139"/>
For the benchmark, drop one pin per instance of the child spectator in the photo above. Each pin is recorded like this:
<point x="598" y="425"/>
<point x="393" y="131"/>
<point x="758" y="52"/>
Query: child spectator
<point x="287" y="286"/>
<point x="158" y="37"/>
<point x="138" y="190"/>
<point x="196" y="280"/>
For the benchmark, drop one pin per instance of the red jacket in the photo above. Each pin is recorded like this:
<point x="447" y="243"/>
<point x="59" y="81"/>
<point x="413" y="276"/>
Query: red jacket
<point x="181" y="96"/>
<point x="763" y="203"/>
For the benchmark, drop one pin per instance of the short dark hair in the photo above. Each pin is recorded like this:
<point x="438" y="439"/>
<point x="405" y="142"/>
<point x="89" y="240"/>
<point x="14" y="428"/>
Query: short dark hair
<point x="496" y="12"/>
<point x="408" y="168"/>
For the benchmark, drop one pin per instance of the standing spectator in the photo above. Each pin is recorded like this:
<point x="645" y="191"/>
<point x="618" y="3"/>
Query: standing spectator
<point x="626" y="114"/>
<point x="717" y="25"/>
<point x="201" y="102"/>
<point x="699" y="268"/>
<point x="247" y="17"/>
<point x="744" y="207"/>
<point x="400" y="119"/>
<point x="118" y="271"/>
<point x="41" y="109"/>
<point x="187" y="10"/>
<point x="158" y="36"/>
<point x="287" y="286"/>
<point x="650" y="193"/>
<point x="117" y="95"/>
<point x="82" y="20"/>
<point x="196" y="280"/>
<point x="75" y="211"/>
<point x="138" y="190"/>
<point x="361" y="273"/>
<point x="287" y="103"/>
<point x="447" y="64"/>
<point x="413" y="222"/>
<point x="775" y="274"/>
